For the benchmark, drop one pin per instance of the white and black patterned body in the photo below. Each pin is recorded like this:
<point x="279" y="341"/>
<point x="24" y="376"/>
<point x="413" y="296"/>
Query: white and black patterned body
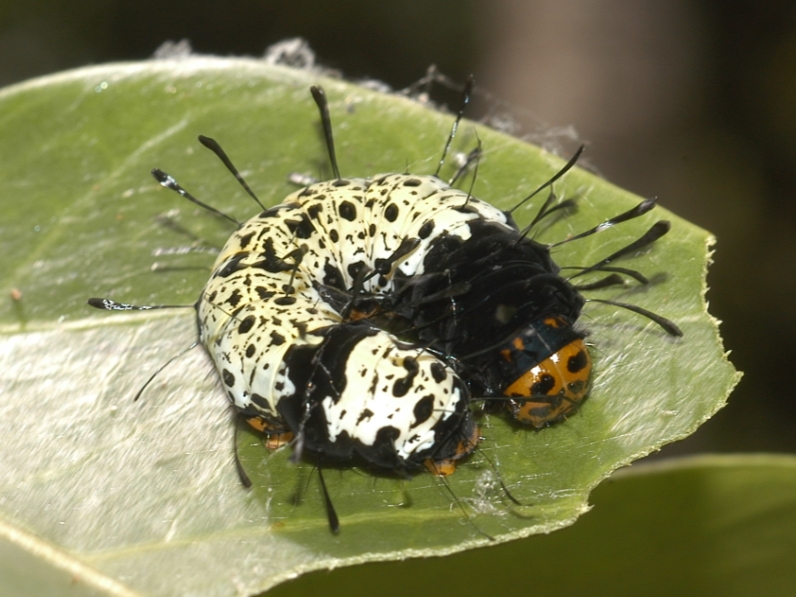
<point x="271" y="318"/>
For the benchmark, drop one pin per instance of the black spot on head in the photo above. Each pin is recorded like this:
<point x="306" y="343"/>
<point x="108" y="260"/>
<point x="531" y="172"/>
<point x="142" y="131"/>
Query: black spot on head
<point x="426" y="229"/>
<point x="341" y="182"/>
<point x="228" y="378"/>
<point x="300" y="228"/>
<point x="285" y="301"/>
<point x="245" y="240"/>
<point x="391" y="213"/>
<point x="247" y="324"/>
<point x="577" y="362"/>
<point x="423" y="410"/>
<point x="269" y="261"/>
<point x="412" y="182"/>
<point x="334" y="235"/>
<point x="234" y="298"/>
<point x="404" y="384"/>
<point x="232" y="266"/>
<point x="544" y="386"/>
<point x="250" y="350"/>
<point x="365" y="414"/>
<point x="273" y="212"/>
<point x="372" y="230"/>
<point x="348" y="211"/>
<point x="261" y="402"/>
<point x="438" y="372"/>
<point x="263" y="293"/>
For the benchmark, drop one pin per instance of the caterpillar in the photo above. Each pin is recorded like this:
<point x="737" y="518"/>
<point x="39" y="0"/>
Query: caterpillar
<point x="361" y="318"/>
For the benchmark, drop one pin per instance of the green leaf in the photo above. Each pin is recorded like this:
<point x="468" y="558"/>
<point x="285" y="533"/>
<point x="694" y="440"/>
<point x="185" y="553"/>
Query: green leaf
<point x="710" y="525"/>
<point x="145" y="494"/>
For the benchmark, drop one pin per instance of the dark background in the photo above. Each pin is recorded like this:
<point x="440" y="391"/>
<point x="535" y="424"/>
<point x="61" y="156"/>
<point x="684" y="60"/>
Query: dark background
<point x="690" y="100"/>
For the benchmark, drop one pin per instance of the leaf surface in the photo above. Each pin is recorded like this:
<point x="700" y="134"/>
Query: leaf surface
<point x="706" y="525"/>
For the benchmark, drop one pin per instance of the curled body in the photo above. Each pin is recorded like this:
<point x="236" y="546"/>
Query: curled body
<point x="273" y="317"/>
<point x="361" y="319"/>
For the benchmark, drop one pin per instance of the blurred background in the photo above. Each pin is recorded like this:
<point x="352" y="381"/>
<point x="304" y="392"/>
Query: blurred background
<point x="693" y="101"/>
